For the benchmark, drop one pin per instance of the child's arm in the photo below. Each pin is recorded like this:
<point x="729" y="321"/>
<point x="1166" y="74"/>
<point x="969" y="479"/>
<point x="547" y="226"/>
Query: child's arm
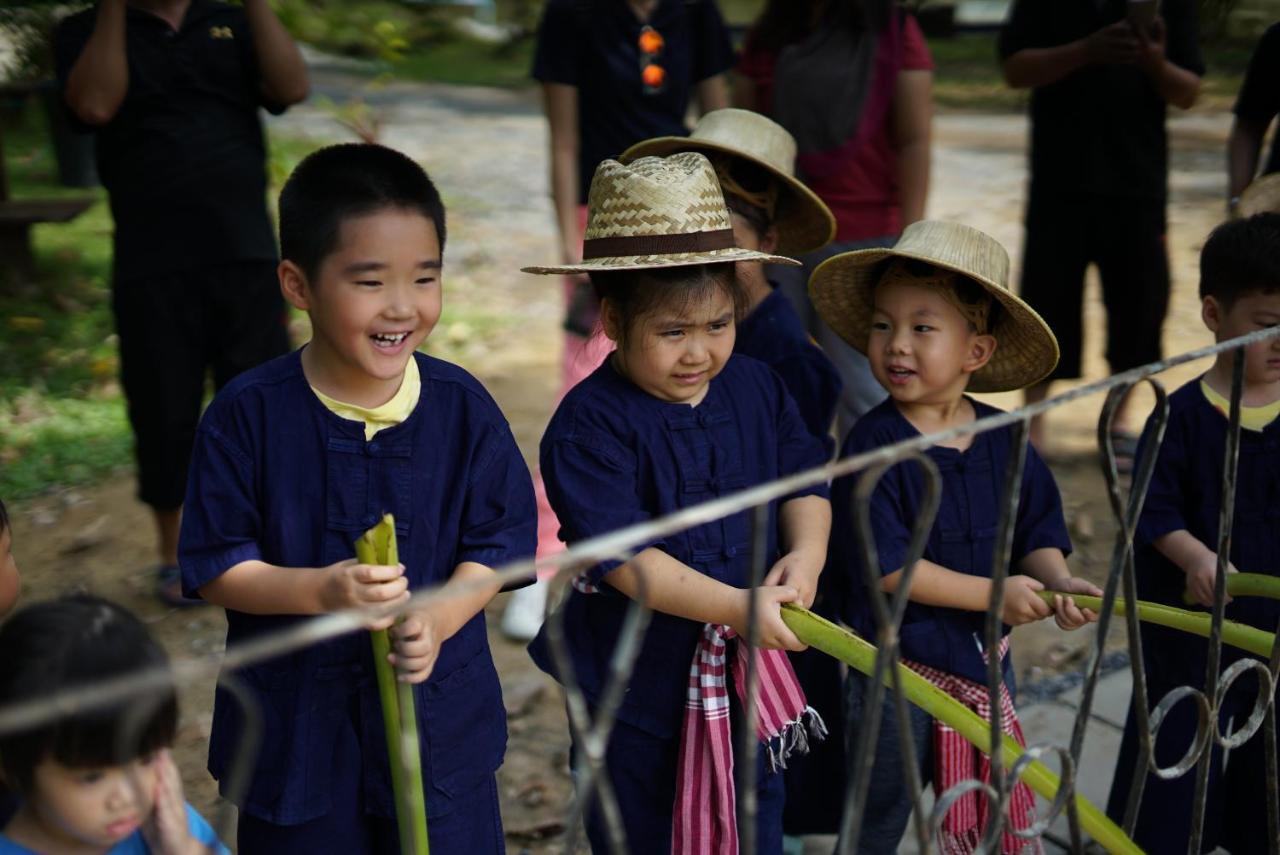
<point x="935" y="585"/>
<point x="806" y="526"/>
<point x="1049" y="566"/>
<point x="674" y="588"/>
<point x="256" y="587"/>
<point x="420" y="635"/>
<point x="1198" y="561"/>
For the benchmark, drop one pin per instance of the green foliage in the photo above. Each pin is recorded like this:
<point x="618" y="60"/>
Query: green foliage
<point x="27" y="27"/>
<point x="46" y="442"/>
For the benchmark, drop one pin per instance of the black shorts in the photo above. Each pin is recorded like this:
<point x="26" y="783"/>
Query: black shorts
<point x="1125" y="238"/>
<point x="174" y="330"/>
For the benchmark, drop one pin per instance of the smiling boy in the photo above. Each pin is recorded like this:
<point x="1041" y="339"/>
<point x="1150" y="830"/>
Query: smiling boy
<point x="295" y="460"/>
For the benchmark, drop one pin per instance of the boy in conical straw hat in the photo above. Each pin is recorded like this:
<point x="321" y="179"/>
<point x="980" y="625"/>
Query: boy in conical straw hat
<point x="772" y="211"/>
<point x="936" y="319"/>
<point x="672" y="419"/>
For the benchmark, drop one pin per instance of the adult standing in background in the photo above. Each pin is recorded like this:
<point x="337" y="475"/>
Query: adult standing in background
<point x="171" y="89"/>
<point x="613" y="73"/>
<point x="852" y="80"/>
<point x="1101" y="74"/>
<point x="1256" y="106"/>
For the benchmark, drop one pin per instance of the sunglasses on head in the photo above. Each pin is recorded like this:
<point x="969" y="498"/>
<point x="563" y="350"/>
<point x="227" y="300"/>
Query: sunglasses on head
<point x="652" y="74"/>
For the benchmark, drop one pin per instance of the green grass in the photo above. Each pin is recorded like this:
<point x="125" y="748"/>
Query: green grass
<point x="470" y="63"/>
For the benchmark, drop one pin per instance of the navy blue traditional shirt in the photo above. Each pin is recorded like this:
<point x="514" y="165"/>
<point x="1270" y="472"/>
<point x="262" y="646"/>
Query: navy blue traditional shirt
<point x="962" y="539"/>
<point x="278" y="477"/>
<point x="613" y="456"/>
<point x="773" y="334"/>
<point x="1185" y="493"/>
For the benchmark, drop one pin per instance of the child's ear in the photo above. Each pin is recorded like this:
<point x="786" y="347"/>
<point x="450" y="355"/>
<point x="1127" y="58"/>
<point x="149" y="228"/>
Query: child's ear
<point x="1211" y="313"/>
<point x="981" y="349"/>
<point x="610" y="320"/>
<point x="769" y="240"/>
<point x="293" y="285"/>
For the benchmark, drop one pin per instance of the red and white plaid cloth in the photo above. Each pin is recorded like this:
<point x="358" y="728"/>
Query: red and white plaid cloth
<point x="705" y="818"/>
<point x="956" y="759"/>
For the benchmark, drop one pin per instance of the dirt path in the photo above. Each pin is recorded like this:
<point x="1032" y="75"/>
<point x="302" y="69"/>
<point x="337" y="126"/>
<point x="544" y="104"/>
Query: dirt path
<point x="486" y="150"/>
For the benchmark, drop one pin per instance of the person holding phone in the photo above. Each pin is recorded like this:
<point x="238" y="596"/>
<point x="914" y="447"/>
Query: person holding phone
<point x="1101" y="73"/>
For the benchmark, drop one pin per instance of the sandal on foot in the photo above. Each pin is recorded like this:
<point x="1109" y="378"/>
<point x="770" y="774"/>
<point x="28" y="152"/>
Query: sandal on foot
<point x="169" y="587"/>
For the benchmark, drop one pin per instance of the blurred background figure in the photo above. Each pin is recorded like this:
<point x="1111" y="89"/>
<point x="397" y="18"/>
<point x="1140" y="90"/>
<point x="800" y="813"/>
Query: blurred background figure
<point x="1257" y="104"/>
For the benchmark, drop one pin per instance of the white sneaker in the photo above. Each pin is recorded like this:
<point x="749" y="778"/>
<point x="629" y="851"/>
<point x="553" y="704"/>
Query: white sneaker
<point x="523" y="616"/>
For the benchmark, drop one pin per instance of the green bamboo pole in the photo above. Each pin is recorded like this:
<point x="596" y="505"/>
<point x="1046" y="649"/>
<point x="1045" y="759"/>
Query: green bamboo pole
<point x="1246" y="585"/>
<point x="1239" y="635"/>
<point x="823" y="635"/>
<point x="399" y="719"/>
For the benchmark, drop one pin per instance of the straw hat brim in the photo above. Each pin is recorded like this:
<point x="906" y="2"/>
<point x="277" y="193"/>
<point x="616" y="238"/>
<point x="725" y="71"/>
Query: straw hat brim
<point x="808" y="225"/>
<point x="1261" y="197"/>
<point x="1026" y="349"/>
<point x="651" y="262"/>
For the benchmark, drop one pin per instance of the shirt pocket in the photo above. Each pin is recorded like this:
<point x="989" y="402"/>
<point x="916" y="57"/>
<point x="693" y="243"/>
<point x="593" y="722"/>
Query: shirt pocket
<point x="284" y="729"/>
<point x="464" y="724"/>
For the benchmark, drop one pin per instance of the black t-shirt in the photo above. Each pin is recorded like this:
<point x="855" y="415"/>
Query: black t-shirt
<point x="1259" y="97"/>
<point x="594" y="45"/>
<point x="184" y="160"/>
<point x="1101" y="130"/>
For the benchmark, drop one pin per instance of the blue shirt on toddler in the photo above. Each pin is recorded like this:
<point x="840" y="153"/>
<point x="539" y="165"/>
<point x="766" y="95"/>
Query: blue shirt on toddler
<point x="136" y="844"/>
<point x="963" y="537"/>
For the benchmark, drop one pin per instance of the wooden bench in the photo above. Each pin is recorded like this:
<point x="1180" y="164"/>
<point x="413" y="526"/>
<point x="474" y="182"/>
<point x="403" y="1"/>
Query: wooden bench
<point x="17" y="216"/>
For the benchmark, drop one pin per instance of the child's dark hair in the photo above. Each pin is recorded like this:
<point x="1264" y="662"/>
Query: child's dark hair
<point x="4" y="517"/>
<point x="339" y="182"/>
<point x="1241" y="257"/>
<point x="635" y="294"/>
<point x="76" y="641"/>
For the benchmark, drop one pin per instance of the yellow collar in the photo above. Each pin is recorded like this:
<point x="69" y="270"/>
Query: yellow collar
<point x="390" y="414"/>
<point x="1251" y="418"/>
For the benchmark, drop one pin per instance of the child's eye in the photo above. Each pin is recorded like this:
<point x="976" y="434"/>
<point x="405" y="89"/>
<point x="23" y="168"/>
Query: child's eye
<point x="923" y="328"/>
<point x="91" y="776"/>
<point x="719" y="327"/>
<point x="879" y="325"/>
<point x="426" y="280"/>
<point x="671" y="333"/>
<point x="368" y="283"/>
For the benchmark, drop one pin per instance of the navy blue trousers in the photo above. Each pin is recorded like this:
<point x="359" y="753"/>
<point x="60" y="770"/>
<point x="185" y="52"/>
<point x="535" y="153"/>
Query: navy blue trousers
<point x="473" y="828"/>
<point x="642" y="769"/>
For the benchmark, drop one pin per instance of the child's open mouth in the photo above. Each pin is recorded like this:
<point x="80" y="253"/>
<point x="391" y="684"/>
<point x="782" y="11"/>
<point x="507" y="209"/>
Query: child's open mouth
<point x="899" y="375"/>
<point x="389" y="341"/>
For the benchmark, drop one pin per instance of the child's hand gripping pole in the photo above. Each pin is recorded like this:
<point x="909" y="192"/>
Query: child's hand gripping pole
<point x="399" y="718"/>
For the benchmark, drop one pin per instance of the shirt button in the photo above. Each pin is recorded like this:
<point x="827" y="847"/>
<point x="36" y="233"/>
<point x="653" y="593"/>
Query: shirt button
<point x="373" y="448"/>
<point x="731" y="552"/>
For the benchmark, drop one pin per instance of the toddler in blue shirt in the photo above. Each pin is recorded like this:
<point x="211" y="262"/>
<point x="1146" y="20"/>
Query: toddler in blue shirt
<point x="935" y="318"/>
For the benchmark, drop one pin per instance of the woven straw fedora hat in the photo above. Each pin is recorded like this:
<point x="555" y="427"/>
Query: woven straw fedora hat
<point x="1261" y="197"/>
<point x="1026" y="350"/>
<point x="803" y="220"/>
<point x="657" y="212"/>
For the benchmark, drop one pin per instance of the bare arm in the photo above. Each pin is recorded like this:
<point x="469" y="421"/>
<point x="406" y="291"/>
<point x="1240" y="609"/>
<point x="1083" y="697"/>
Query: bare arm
<point x="256" y="587"/>
<point x="560" y="102"/>
<point x="805" y="525"/>
<point x="1244" y="146"/>
<point x="935" y="585"/>
<point x="744" y="92"/>
<point x="1032" y="67"/>
<point x="1195" y="559"/>
<point x="99" y="78"/>
<point x="282" y="71"/>
<point x="713" y="94"/>
<point x="912" y="125"/>
<point x="420" y="636"/>
<point x="674" y="588"/>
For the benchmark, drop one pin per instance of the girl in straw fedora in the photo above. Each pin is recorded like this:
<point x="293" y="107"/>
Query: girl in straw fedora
<point x="772" y="211"/>
<point x="672" y="419"/>
<point x="936" y="319"/>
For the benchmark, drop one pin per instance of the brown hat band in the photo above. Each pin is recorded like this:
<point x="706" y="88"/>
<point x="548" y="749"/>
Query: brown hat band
<point x="627" y="245"/>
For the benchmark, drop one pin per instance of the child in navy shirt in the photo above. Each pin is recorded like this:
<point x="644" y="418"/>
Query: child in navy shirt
<point x="772" y="211"/>
<point x="99" y="780"/>
<point x="935" y="319"/>
<point x="1176" y="550"/>
<point x="294" y="460"/>
<point x="672" y="419"/>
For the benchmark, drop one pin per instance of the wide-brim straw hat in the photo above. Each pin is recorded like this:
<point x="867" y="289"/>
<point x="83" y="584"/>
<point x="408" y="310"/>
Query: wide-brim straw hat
<point x="804" y="222"/>
<point x="1261" y="197"/>
<point x="657" y="212"/>
<point x="1026" y="351"/>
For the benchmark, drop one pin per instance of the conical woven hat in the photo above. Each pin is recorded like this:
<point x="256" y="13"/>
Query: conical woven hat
<point x="657" y="212"/>
<point x="803" y="220"/>
<point x="1261" y="197"/>
<point x="1026" y="351"/>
